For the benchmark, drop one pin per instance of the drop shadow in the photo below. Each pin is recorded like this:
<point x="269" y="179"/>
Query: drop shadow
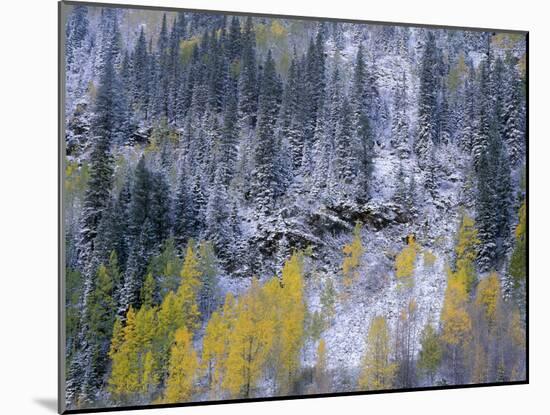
<point x="48" y="403"/>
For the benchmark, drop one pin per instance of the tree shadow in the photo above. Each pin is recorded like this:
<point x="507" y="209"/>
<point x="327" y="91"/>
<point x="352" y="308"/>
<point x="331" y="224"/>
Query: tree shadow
<point x="48" y="403"/>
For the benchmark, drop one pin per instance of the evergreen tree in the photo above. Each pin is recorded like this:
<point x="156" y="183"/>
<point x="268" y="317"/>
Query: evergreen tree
<point x="513" y="128"/>
<point x="427" y="135"/>
<point x="486" y="117"/>
<point x="493" y="201"/>
<point x="248" y="93"/>
<point x="266" y="186"/>
<point x="346" y="161"/>
<point x="400" y="122"/>
<point x="75" y="33"/>
<point x="141" y="76"/>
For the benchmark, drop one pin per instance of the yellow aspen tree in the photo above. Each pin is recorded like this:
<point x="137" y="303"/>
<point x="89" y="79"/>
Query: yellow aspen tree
<point x="182" y="368"/>
<point x="250" y="343"/>
<point x="466" y="251"/>
<point x="454" y="316"/>
<point x="518" y="261"/>
<point x="488" y="298"/>
<point x="117" y="339"/>
<point x="272" y="293"/>
<point x="216" y="344"/>
<point x="320" y="374"/>
<point x="467" y="240"/>
<point x="353" y="252"/>
<point x="146" y="334"/>
<point x="150" y="377"/>
<point x="214" y="348"/>
<point x="229" y="309"/>
<point x="124" y="379"/>
<point x="378" y="371"/>
<point x="189" y="288"/>
<point x="455" y="320"/>
<point x="169" y="318"/>
<point x="292" y="321"/>
<point x="405" y="262"/>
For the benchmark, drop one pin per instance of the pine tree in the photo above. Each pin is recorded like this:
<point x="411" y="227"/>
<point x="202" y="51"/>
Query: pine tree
<point x="141" y="76"/>
<point x="248" y="94"/>
<point x="75" y="33"/>
<point x="101" y="164"/>
<point x="266" y="186"/>
<point x="493" y="201"/>
<point x="165" y="269"/>
<point x="328" y="300"/>
<point x="345" y="161"/>
<point x="512" y="109"/>
<point x="400" y="121"/>
<point x="486" y="116"/>
<point x="427" y="135"/>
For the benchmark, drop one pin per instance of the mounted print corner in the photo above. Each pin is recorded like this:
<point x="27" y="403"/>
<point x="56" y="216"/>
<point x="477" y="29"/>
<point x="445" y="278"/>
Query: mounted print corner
<point x="259" y="206"/>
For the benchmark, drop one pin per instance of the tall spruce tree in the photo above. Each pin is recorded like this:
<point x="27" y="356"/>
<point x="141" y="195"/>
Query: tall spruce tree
<point x="427" y="105"/>
<point x="266" y="186"/>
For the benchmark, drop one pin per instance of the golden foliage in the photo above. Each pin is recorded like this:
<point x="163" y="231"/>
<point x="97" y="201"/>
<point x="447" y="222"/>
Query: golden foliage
<point x="320" y="375"/>
<point x="353" y="252"/>
<point x="189" y="287"/>
<point x="182" y="368"/>
<point x="455" y="319"/>
<point x="405" y="262"/>
<point x="378" y="371"/>
<point x="214" y="350"/>
<point x="291" y="321"/>
<point x="522" y="225"/>
<point x="466" y="251"/>
<point x="250" y="343"/>
<point x="488" y="297"/>
<point x="124" y="379"/>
